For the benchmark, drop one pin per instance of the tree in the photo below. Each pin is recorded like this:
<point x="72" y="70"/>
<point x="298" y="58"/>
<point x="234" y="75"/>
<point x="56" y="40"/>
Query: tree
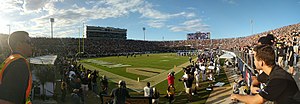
<point x="45" y="74"/>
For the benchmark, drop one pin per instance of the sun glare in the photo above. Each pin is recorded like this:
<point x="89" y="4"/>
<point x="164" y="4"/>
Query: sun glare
<point x="5" y="27"/>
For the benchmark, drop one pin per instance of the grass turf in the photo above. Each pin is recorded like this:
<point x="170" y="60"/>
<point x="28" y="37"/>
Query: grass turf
<point x="163" y="61"/>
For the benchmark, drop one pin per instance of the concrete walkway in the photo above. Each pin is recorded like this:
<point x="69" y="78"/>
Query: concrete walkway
<point x="221" y="95"/>
<point x="134" y="84"/>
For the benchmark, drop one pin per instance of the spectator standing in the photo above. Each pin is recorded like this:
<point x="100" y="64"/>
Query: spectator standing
<point x="148" y="90"/>
<point x="94" y="77"/>
<point x="171" y="78"/>
<point x="155" y="96"/>
<point x="197" y="76"/>
<point x="203" y="71"/>
<point x="15" y="76"/>
<point x="281" y="55"/>
<point x="171" y="93"/>
<point x="75" y="97"/>
<point x="63" y="88"/>
<point x="120" y="94"/>
<point x="188" y="82"/>
<point x="291" y="58"/>
<point x="104" y="87"/>
<point x="84" y="83"/>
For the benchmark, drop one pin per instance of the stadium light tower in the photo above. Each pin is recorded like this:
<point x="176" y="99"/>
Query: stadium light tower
<point x="83" y="31"/>
<point x="51" y="21"/>
<point x="144" y="29"/>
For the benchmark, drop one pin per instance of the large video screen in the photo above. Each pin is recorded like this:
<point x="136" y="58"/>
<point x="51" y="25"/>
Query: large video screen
<point x="198" y="35"/>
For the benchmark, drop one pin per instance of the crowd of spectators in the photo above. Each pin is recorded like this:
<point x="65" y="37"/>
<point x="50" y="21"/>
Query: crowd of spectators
<point x="97" y="48"/>
<point x="107" y="47"/>
<point x="78" y="80"/>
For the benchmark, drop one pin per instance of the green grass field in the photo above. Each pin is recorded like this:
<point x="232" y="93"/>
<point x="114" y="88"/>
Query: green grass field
<point x="164" y="61"/>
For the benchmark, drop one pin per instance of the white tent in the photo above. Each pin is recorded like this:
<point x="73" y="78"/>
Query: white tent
<point x="226" y="56"/>
<point x="46" y="60"/>
<point x="231" y="53"/>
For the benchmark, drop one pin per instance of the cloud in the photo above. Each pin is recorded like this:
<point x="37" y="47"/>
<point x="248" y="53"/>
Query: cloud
<point x="230" y="2"/>
<point x="34" y="15"/>
<point x="190" y="15"/>
<point x="191" y="8"/>
<point x="190" y="26"/>
<point x="156" y="23"/>
<point x="34" y="5"/>
<point x="8" y="6"/>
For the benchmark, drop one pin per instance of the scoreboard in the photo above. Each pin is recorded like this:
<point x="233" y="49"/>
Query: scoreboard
<point x="198" y="36"/>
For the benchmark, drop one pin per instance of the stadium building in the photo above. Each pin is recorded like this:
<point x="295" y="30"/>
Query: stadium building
<point x="198" y="36"/>
<point x="96" y="32"/>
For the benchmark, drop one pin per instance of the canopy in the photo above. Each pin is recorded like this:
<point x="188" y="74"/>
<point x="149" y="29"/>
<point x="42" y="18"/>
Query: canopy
<point x="226" y="56"/>
<point x="231" y="53"/>
<point x="45" y="60"/>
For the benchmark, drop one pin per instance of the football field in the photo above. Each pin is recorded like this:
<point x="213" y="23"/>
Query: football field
<point x="139" y="66"/>
<point x="152" y="68"/>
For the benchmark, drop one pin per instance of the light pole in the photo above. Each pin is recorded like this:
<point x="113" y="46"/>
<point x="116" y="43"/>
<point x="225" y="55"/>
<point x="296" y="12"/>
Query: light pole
<point x="79" y="41"/>
<point x="8" y="29"/>
<point x="144" y="33"/>
<point x="251" y="27"/>
<point x="51" y="21"/>
<point x="83" y="31"/>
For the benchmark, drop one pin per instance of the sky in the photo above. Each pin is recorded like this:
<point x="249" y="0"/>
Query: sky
<point x="163" y="19"/>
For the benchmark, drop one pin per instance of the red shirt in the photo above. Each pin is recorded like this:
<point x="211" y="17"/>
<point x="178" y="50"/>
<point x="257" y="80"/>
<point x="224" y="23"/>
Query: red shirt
<point x="171" y="79"/>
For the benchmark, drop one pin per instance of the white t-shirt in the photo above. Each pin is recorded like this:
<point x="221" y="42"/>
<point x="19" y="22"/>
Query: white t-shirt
<point x="211" y="67"/>
<point x="296" y="49"/>
<point x="197" y="74"/>
<point x="147" y="91"/>
<point x="185" y="76"/>
<point x="202" y="68"/>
